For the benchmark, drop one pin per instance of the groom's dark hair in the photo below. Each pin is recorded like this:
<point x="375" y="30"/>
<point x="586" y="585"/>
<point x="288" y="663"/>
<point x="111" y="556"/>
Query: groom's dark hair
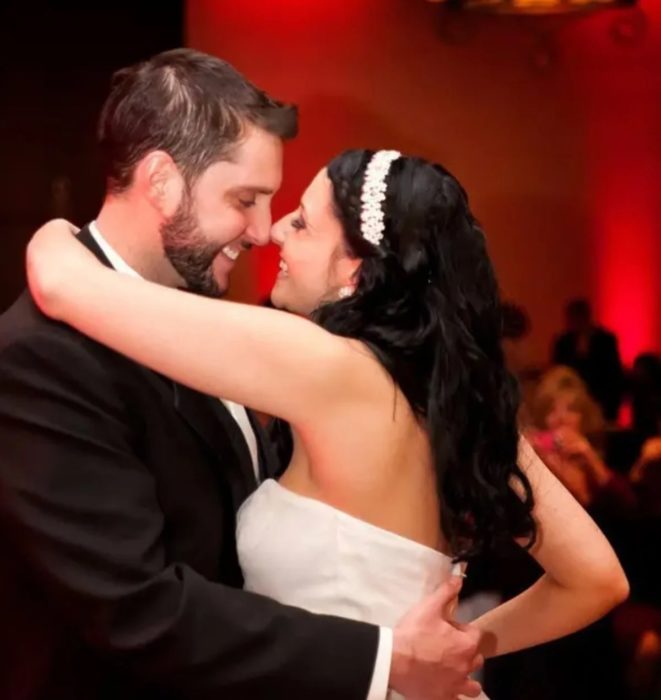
<point x="189" y="104"/>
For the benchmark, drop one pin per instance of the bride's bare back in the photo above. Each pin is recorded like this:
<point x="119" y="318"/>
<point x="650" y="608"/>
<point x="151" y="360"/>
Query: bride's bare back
<point x="372" y="460"/>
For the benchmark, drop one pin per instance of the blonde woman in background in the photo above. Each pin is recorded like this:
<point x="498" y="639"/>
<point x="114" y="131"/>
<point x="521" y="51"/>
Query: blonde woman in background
<point x="568" y="431"/>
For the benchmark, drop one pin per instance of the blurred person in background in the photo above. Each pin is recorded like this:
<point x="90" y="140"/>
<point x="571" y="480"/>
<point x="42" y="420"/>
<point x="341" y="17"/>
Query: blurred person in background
<point x="568" y="431"/>
<point x="637" y="623"/>
<point x="645" y="391"/>
<point x="516" y="333"/>
<point x="518" y="353"/>
<point x="593" y="352"/>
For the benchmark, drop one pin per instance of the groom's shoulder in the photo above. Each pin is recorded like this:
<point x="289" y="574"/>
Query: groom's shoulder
<point x="23" y="322"/>
<point x="24" y="329"/>
<point x="37" y="351"/>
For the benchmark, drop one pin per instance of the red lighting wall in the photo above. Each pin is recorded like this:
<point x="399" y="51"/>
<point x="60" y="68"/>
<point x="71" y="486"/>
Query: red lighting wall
<point x="563" y="164"/>
<point x="620" y="88"/>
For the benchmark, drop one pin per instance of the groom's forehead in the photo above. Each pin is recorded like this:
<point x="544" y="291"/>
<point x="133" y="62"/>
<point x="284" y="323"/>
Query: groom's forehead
<point x="228" y="176"/>
<point x="257" y="146"/>
<point x="262" y="175"/>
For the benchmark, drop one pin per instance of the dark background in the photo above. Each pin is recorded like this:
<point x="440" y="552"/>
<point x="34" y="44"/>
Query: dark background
<point x="56" y="60"/>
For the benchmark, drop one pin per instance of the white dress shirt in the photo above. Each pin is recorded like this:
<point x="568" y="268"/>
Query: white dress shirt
<point x="379" y="685"/>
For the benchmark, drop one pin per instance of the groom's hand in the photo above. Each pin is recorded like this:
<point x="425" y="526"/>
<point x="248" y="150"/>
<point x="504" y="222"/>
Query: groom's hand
<point x="432" y="654"/>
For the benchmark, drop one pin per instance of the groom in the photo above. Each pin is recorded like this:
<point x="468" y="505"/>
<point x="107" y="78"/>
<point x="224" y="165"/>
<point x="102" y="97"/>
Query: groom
<point x="118" y="488"/>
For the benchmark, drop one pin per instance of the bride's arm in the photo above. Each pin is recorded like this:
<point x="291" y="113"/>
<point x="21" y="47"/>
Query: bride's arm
<point x="582" y="577"/>
<point x="269" y="360"/>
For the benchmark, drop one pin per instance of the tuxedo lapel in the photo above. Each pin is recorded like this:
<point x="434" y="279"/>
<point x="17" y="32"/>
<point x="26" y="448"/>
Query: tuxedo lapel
<point x="213" y="423"/>
<point x="86" y="238"/>
<point x="207" y="416"/>
<point x="269" y="468"/>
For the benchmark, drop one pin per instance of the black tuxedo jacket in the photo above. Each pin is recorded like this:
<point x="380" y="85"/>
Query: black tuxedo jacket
<point x="118" y="569"/>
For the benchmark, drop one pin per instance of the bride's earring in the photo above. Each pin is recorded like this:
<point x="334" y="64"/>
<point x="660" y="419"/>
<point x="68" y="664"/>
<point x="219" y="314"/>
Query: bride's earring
<point x="344" y="292"/>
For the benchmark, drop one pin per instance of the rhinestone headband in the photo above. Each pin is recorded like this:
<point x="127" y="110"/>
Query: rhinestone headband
<point x="373" y="195"/>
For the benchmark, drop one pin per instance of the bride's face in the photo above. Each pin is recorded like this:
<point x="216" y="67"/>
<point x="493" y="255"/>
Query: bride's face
<point x="314" y="260"/>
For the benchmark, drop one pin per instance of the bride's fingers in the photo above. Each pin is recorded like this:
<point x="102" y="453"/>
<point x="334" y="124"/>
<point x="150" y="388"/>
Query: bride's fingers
<point x="470" y="689"/>
<point x="478" y="663"/>
<point x="440" y="602"/>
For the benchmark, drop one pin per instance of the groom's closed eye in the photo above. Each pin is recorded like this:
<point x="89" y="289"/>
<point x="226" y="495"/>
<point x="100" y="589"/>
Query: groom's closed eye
<point x="250" y="193"/>
<point x="248" y="197"/>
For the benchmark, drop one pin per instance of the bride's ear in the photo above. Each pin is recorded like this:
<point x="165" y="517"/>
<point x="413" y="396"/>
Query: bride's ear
<point x="347" y="271"/>
<point x="159" y="178"/>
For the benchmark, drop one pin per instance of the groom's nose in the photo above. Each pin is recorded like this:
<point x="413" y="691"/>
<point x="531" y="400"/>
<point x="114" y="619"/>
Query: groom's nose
<point x="258" y="231"/>
<point x="278" y="232"/>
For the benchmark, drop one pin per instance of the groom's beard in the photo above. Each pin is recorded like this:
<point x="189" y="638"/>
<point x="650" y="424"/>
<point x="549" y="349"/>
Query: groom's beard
<point x="189" y="252"/>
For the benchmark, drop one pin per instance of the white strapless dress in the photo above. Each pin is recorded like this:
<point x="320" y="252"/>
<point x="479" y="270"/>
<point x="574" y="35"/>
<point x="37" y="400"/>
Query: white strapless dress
<point x="302" y="552"/>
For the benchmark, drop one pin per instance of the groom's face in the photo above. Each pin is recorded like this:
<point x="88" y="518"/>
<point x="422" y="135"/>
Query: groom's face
<point x="225" y="211"/>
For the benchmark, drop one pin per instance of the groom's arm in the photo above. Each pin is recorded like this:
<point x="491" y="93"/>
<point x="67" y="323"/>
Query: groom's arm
<point x="90" y="511"/>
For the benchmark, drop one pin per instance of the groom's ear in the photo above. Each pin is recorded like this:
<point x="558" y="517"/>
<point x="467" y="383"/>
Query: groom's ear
<point x="161" y="181"/>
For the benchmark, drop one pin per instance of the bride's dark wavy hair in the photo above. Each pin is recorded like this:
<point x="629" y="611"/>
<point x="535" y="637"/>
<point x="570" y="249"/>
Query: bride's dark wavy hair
<point x="427" y="304"/>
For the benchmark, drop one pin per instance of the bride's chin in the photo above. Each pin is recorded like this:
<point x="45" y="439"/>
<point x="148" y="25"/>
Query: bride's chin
<point x="285" y="302"/>
<point x="278" y="298"/>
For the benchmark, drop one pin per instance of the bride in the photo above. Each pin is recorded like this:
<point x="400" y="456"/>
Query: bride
<point x="407" y="458"/>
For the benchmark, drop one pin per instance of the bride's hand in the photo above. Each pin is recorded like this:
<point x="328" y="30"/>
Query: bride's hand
<point x="55" y="261"/>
